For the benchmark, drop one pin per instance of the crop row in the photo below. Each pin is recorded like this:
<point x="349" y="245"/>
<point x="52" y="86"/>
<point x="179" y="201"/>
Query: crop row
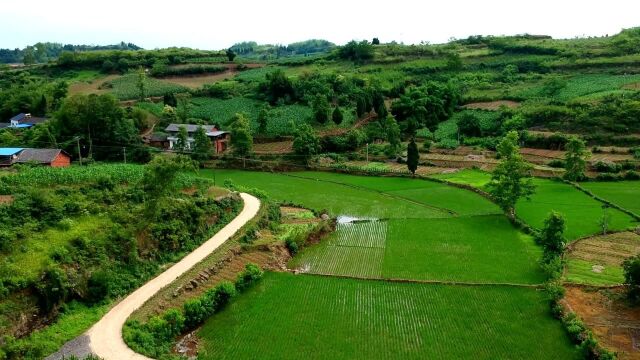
<point x="329" y="318"/>
<point x="126" y="87"/>
<point x="222" y="111"/>
<point x="120" y="173"/>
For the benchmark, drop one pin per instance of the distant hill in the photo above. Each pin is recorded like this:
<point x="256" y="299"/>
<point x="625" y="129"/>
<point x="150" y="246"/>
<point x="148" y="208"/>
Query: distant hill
<point x="43" y="52"/>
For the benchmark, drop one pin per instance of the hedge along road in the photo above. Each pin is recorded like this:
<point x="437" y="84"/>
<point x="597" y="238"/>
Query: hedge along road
<point x="105" y="337"/>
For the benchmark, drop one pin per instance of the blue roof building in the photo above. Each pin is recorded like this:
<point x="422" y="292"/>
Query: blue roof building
<point x="9" y="155"/>
<point x="10" y="151"/>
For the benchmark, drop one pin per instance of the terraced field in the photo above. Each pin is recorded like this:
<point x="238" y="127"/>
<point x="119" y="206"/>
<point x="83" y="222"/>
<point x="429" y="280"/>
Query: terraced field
<point x="394" y="280"/>
<point x="477" y="249"/>
<point x="582" y="213"/>
<point x="622" y="193"/>
<point x="331" y="318"/>
<point x="598" y="260"/>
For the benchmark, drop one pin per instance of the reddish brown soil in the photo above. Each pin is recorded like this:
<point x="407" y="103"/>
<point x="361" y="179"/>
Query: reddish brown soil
<point x="278" y="147"/>
<point x="6" y="199"/>
<point x="606" y="313"/>
<point x="611" y="249"/>
<point x="92" y="87"/>
<point x="492" y="105"/>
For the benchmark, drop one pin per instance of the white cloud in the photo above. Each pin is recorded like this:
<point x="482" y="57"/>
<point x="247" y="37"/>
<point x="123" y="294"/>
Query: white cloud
<point x="215" y="25"/>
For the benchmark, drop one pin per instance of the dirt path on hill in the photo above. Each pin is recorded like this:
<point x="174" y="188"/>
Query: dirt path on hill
<point x="105" y="337"/>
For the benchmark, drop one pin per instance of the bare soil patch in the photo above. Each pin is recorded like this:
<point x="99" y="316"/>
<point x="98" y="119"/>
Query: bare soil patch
<point x="492" y="105"/>
<point x="278" y="147"/>
<point x="633" y="86"/>
<point x="610" y="249"/>
<point x="197" y="81"/>
<point x="605" y="311"/>
<point x="93" y="87"/>
<point x="343" y="130"/>
<point x="6" y="199"/>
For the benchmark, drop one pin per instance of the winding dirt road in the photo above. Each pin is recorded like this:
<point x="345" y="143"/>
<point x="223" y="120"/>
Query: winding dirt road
<point x="105" y="337"/>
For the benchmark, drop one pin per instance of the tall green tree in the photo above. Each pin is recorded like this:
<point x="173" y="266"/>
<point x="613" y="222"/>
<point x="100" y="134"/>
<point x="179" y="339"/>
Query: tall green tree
<point x="427" y="105"/>
<point x="392" y="130"/>
<point x="413" y="156"/>
<point x="551" y="236"/>
<point x="231" y="55"/>
<point x="305" y="141"/>
<point x="99" y="122"/>
<point x="182" y="142"/>
<point x="575" y="159"/>
<point x="159" y="177"/>
<point x="337" y="116"/>
<point x="277" y="87"/>
<point x="263" y="120"/>
<point x="321" y="108"/>
<point x="511" y="179"/>
<point x="241" y="137"/>
<point x="184" y="106"/>
<point x="201" y="145"/>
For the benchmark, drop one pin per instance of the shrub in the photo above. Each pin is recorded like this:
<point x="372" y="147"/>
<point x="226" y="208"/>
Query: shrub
<point x="631" y="175"/>
<point x="607" y="177"/>
<point x="556" y="164"/>
<point x="194" y="313"/>
<point x="222" y="294"/>
<point x="606" y="167"/>
<point x="99" y="286"/>
<point x="631" y="268"/>
<point x="248" y="277"/>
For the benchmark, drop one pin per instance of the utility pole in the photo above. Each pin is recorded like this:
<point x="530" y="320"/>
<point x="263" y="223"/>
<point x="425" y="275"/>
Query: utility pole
<point x="124" y="151"/>
<point x="79" y="153"/>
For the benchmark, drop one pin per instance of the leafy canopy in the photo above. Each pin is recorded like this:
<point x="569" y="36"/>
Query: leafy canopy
<point x="511" y="179"/>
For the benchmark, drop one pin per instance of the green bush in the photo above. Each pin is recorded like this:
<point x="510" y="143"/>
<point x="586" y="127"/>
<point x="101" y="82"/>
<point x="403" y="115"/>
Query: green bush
<point x="248" y="277"/>
<point x="195" y="312"/>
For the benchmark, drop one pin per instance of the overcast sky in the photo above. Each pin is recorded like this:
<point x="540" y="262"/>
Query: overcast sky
<point x="218" y="24"/>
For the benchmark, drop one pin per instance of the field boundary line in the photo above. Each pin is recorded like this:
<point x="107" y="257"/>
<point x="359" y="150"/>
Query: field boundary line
<point x="604" y="201"/>
<point x="432" y="282"/>
<point x="393" y="196"/>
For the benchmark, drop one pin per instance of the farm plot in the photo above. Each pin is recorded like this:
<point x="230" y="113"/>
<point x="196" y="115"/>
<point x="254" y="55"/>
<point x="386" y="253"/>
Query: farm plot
<point x="625" y="194"/>
<point x="429" y="193"/>
<point x="329" y="318"/>
<point x="478" y="249"/>
<point x="473" y="177"/>
<point x="482" y="249"/>
<point x="222" y="111"/>
<point x="598" y="260"/>
<point x="582" y="213"/>
<point x="354" y="249"/>
<point x="125" y="87"/>
<point x="337" y="198"/>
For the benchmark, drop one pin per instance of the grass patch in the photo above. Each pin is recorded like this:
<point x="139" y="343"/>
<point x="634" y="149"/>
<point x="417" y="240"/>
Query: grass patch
<point x="473" y="177"/>
<point x="625" y="194"/>
<point x="125" y="87"/>
<point x="338" y="199"/>
<point x="222" y="111"/>
<point x="28" y="262"/>
<point x="480" y="249"/>
<point x="329" y="318"/>
<point x="581" y="212"/>
<point x="483" y="249"/>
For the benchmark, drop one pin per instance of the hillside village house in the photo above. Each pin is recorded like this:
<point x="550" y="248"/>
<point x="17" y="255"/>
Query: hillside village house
<point x="219" y="139"/>
<point x="23" y="120"/>
<point x="46" y="157"/>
